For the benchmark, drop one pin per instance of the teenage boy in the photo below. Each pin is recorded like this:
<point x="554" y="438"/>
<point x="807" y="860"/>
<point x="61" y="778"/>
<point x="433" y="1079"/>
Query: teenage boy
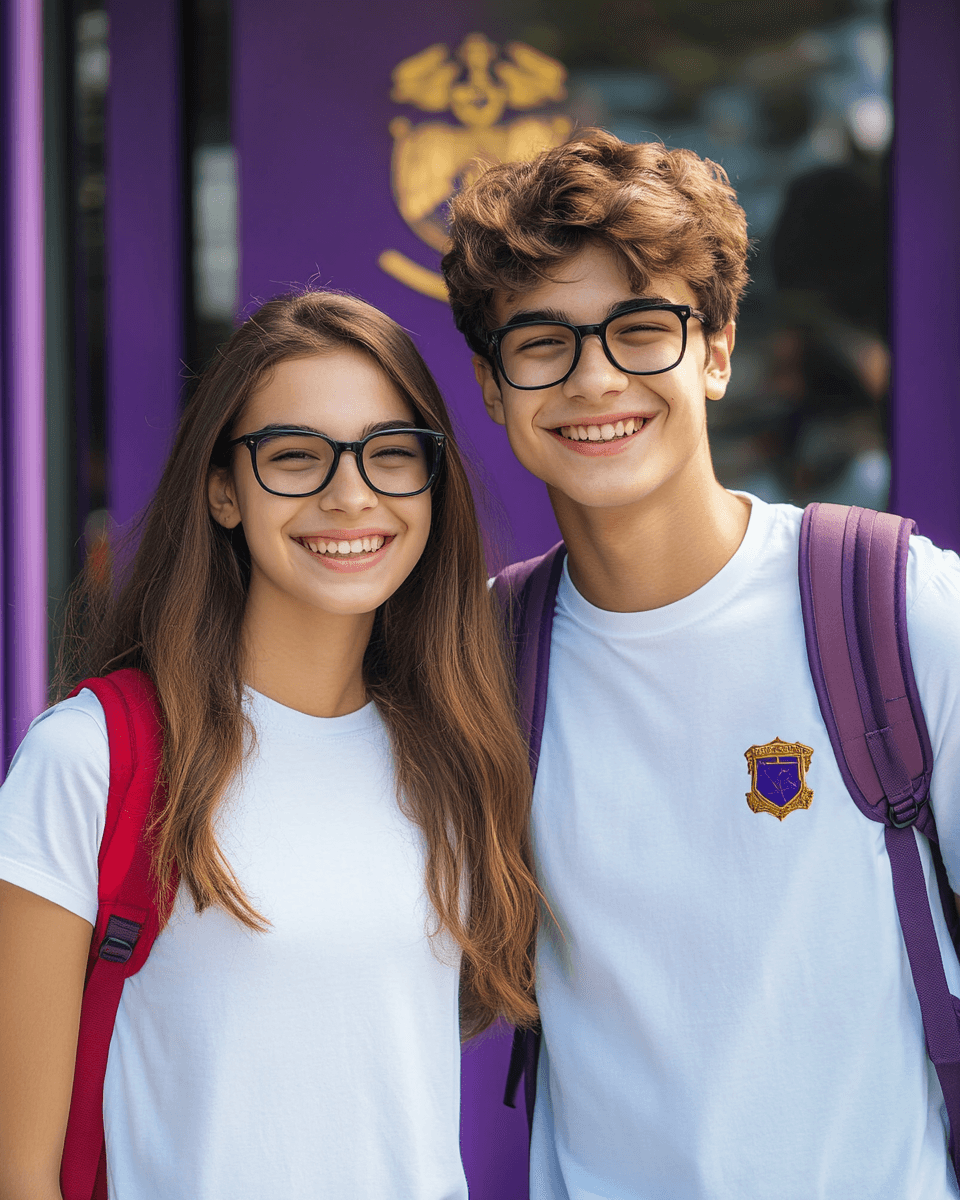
<point x="728" y="1012"/>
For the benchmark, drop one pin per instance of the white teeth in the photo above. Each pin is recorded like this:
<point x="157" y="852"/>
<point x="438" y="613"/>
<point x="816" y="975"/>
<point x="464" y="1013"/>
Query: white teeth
<point x="367" y="545"/>
<point x="602" y="433"/>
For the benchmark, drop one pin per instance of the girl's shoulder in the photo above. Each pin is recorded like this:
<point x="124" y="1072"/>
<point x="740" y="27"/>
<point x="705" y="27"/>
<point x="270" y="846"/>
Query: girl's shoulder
<point x="79" y="719"/>
<point x="53" y="805"/>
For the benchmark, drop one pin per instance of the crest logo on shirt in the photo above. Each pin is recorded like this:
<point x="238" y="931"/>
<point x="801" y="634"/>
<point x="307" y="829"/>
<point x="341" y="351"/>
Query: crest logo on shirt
<point x="778" y="772"/>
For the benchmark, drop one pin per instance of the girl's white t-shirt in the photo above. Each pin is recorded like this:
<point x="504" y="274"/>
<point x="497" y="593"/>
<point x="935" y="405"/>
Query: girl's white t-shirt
<point x="319" y="1059"/>
<point x="727" y="1006"/>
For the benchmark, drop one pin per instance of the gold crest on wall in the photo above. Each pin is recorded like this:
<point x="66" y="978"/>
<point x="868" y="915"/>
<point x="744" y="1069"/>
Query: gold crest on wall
<point x="433" y="159"/>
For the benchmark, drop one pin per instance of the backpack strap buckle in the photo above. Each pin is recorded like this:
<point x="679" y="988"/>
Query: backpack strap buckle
<point x="120" y="941"/>
<point x="905" y="813"/>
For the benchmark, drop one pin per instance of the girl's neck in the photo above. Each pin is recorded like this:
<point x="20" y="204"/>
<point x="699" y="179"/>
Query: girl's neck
<point x="304" y="659"/>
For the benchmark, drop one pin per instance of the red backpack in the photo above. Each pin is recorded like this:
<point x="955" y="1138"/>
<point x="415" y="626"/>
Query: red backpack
<point x="128" y="918"/>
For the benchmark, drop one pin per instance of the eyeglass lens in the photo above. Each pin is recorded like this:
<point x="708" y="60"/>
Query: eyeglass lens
<point x="641" y="342"/>
<point x="394" y="463"/>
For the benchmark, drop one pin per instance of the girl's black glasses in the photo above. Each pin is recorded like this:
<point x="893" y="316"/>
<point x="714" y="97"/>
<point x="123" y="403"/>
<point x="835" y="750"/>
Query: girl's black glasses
<point x="289" y="461"/>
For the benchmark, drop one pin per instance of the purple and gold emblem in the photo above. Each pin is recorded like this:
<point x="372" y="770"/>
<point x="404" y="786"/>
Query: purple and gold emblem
<point x="778" y="771"/>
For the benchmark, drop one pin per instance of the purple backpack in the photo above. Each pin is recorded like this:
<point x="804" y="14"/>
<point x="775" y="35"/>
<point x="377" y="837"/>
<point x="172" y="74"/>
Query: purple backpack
<point x="853" y="567"/>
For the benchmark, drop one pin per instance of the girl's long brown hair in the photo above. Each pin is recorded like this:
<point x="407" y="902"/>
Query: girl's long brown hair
<point x="434" y="665"/>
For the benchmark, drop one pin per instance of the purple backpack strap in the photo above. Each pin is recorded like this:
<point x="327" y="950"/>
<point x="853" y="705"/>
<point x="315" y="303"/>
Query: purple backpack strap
<point x="527" y="592"/>
<point x="853" y="566"/>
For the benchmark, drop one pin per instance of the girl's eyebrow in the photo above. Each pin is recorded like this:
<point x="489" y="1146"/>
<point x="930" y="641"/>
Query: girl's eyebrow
<point x="375" y="428"/>
<point x="399" y="423"/>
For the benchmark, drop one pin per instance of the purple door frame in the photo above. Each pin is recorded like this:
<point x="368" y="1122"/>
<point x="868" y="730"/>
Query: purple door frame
<point x="23" y="575"/>
<point x="144" y="248"/>
<point x="925" y="275"/>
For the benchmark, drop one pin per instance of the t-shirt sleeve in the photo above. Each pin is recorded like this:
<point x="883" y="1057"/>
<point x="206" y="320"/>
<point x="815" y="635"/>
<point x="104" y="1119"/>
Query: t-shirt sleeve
<point x="53" y="806"/>
<point x="933" y="627"/>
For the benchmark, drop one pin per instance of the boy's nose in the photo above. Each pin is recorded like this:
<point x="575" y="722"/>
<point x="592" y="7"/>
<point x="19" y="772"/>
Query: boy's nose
<point x="595" y="373"/>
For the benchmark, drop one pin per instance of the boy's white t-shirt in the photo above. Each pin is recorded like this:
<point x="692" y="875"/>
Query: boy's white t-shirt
<point x="727" y="1006"/>
<point x="319" y="1059"/>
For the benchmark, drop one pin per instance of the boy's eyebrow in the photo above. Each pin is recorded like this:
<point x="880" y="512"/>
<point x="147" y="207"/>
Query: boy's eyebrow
<point x="538" y="314"/>
<point x="554" y="314"/>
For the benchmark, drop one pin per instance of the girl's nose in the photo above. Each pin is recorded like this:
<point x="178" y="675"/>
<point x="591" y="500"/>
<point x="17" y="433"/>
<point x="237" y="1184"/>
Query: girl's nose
<point x="348" y="491"/>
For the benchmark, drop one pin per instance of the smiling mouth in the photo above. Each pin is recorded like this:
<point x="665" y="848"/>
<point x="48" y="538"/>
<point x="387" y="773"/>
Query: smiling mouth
<point x="357" y="548"/>
<point x="610" y="432"/>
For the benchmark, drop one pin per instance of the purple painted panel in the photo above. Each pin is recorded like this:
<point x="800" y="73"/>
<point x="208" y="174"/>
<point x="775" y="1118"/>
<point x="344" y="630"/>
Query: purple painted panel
<point x="144" y="248"/>
<point x="24" y="612"/>
<point x="312" y="111"/>
<point x="925" y="414"/>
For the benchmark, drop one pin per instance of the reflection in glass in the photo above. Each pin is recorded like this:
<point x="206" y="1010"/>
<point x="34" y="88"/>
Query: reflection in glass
<point x="793" y="100"/>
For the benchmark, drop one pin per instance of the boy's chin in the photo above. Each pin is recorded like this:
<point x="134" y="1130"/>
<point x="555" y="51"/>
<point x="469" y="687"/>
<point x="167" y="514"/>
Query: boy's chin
<point x="613" y="495"/>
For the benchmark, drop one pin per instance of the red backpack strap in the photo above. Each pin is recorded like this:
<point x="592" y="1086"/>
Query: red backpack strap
<point x="128" y="917"/>
<point x="853" y="569"/>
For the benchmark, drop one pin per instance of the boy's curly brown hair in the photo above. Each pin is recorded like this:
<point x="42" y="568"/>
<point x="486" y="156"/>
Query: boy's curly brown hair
<point x="663" y="211"/>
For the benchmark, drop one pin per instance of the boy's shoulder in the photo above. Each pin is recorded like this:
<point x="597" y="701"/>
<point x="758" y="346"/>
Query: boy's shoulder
<point x="933" y="594"/>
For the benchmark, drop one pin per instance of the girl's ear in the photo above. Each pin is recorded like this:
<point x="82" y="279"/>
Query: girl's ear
<point x="222" y="498"/>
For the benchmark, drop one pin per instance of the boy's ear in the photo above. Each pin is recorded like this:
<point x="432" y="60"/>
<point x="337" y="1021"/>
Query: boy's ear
<point x="492" y="400"/>
<point x="718" y="364"/>
<point x="222" y="499"/>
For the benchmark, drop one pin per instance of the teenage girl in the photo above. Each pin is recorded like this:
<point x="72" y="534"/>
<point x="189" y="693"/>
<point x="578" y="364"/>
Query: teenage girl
<point x="346" y="799"/>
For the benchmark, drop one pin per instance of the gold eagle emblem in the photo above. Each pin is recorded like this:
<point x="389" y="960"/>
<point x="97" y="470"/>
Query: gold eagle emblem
<point x="433" y="159"/>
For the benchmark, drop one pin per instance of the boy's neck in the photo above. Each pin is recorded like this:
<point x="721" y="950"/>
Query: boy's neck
<point x="655" y="552"/>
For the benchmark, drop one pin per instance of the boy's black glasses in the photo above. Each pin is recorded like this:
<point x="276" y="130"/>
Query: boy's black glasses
<point x="288" y="461"/>
<point x="647" y="338"/>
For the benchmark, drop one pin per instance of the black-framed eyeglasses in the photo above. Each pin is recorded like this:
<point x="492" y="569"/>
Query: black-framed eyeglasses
<point x="647" y="338"/>
<point x="288" y="461"/>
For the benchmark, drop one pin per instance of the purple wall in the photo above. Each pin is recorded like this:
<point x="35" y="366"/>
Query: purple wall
<point x="144" y="248"/>
<point x="23" y="586"/>
<point x="311" y="114"/>
<point x="925" y="412"/>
